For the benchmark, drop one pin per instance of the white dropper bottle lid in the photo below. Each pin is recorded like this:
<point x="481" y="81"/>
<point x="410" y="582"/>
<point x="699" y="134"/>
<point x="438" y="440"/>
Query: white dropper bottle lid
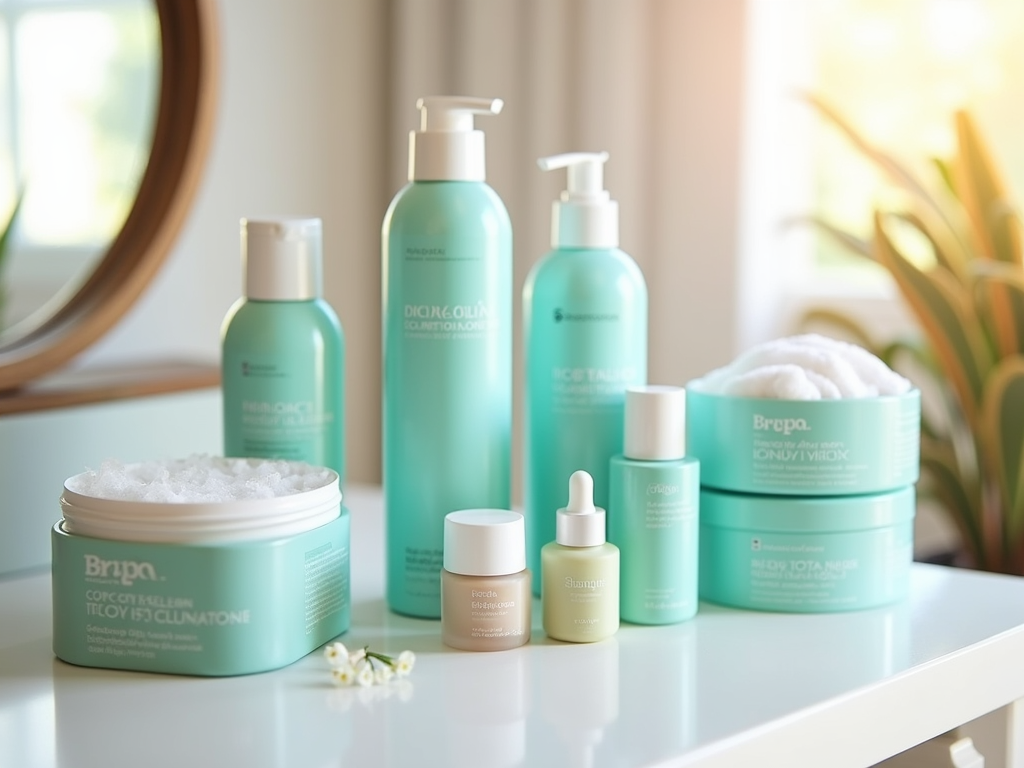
<point x="447" y="148"/>
<point x="585" y="216"/>
<point x="579" y="523"/>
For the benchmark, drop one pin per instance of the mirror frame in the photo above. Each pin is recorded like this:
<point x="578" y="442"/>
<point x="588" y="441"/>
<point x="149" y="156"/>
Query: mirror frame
<point x="181" y="140"/>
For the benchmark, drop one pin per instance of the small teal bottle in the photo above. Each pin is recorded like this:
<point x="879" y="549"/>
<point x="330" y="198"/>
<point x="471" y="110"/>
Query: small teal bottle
<point x="283" y="352"/>
<point x="585" y="342"/>
<point x="447" y="348"/>
<point x="653" y="510"/>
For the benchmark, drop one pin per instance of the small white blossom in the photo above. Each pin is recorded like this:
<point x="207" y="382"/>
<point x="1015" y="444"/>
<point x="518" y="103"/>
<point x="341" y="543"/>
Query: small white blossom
<point x="343" y="674"/>
<point x="404" y="663"/>
<point x="336" y="654"/>
<point x="366" y="668"/>
<point x="364" y="673"/>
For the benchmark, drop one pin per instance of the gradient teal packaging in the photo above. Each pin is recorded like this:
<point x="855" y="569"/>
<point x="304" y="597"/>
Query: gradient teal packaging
<point x="199" y="609"/>
<point x="804" y="554"/>
<point x="653" y="510"/>
<point x="283" y="352"/>
<point x="585" y="342"/>
<point x="447" y="349"/>
<point x="805" y="447"/>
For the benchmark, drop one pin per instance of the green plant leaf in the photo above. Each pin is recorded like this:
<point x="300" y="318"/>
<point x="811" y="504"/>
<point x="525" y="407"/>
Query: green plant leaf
<point x="948" y="251"/>
<point x="891" y="167"/>
<point x="947" y="318"/>
<point x="856" y="245"/>
<point x="946" y="174"/>
<point x="1003" y="435"/>
<point x="983" y="194"/>
<point x="999" y="297"/>
<point x="959" y="496"/>
<point x="5" y="236"/>
<point x="847" y="327"/>
<point x="5" y="242"/>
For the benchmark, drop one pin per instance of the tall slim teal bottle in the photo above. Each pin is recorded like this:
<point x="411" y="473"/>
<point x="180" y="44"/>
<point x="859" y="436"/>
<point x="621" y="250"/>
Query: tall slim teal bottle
<point x="447" y="348"/>
<point x="283" y="352"/>
<point x="585" y="337"/>
<point x="653" y="514"/>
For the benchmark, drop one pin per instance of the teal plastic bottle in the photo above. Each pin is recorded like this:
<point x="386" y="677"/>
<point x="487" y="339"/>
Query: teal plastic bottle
<point x="653" y="514"/>
<point x="283" y="351"/>
<point x="585" y="337"/>
<point x="447" y="348"/>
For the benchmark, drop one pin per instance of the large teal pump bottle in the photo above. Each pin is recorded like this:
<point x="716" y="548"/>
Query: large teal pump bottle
<point x="447" y="348"/>
<point x="585" y="337"/>
<point x="283" y="352"/>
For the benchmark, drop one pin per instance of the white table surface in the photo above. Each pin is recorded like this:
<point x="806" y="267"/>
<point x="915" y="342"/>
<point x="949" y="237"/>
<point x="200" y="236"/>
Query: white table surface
<point x="729" y="688"/>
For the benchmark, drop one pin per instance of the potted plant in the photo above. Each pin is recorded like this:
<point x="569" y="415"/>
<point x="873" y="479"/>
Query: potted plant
<point x="968" y="299"/>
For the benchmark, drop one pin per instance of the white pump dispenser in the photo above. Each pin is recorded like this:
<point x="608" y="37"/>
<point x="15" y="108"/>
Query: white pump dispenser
<point x="447" y="148"/>
<point x="585" y="216"/>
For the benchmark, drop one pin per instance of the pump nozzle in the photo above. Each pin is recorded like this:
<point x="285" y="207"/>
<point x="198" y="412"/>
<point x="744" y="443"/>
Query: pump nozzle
<point x="585" y="216"/>
<point x="586" y="174"/>
<point x="454" y="113"/>
<point x="447" y="147"/>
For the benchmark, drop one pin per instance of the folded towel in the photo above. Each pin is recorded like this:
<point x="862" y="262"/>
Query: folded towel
<point x="807" y="367"/>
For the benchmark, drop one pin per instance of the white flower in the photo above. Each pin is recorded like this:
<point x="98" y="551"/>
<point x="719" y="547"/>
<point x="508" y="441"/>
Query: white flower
<point x="364" y="673"/>
<point x="404" y="663"/>
<point x="343" y="674"/>
<point x="336" y="654"/>
<point x="382" y="675"/>
<point x="366" y="668"/>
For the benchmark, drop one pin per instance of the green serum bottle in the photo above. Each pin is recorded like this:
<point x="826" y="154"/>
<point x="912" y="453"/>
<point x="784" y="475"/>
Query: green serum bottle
<point x="653" y="511"/>
<point x="580" y="570"/>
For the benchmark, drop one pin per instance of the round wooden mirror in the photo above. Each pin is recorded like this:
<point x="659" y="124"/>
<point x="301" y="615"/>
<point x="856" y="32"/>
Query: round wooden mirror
<point x="181" y="138"/>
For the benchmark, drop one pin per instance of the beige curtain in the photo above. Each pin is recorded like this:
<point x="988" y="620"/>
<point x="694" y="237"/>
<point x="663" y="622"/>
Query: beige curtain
<point x="656" y="83"/>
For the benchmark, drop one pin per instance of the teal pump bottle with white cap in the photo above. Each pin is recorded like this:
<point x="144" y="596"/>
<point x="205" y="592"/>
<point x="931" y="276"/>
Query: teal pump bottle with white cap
<point x="447" y="348"/>
<point x="585" y="342"/>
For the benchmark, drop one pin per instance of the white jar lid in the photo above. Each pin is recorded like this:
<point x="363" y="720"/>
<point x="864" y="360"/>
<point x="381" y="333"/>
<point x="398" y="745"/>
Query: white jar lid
<point x="484" y="542"/>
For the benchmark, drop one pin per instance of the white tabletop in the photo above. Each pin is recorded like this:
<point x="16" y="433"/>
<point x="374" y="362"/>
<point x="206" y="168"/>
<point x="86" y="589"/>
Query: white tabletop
<point x="729" y="688"/>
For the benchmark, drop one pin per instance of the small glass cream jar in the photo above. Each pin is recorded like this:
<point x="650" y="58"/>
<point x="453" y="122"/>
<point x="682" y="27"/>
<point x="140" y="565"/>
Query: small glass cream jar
<point x="485" y="586"/>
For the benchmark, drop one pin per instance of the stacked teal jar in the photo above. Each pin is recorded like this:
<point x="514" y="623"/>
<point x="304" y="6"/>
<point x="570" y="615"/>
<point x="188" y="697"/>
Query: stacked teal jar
<point x="806" y="505"/>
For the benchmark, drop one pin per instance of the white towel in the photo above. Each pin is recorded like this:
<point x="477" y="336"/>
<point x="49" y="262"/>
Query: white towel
<point x="807" y="367"/>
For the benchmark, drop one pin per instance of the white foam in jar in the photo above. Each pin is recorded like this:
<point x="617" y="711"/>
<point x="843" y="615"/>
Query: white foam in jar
<point x="201" y="499"/>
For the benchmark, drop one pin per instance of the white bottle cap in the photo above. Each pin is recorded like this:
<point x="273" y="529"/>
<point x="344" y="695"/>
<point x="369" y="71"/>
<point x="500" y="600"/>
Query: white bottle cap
<point x="282" y="258"/>
<point x="655" y="423"/>
<point x="447" y="148"/>
<point x="484" y="542"/>
<point x="585" y="217"/>
<point x="579" y="523"/>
